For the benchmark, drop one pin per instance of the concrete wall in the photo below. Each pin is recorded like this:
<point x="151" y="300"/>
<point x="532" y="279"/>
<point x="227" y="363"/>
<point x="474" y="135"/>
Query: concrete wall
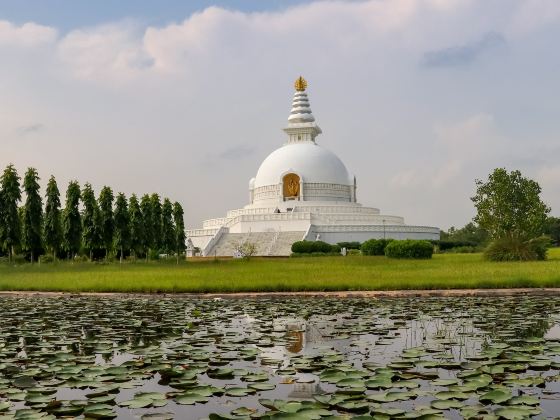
<point x="374" y="232"/>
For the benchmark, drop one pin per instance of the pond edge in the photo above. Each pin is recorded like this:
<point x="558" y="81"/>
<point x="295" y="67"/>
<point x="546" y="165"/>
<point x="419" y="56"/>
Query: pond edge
<point x="374" y="294"/>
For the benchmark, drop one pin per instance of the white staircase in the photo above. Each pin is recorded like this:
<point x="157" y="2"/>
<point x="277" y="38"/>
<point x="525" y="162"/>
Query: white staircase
<point x="272" y="243"/>
<point x="283" y="244"/>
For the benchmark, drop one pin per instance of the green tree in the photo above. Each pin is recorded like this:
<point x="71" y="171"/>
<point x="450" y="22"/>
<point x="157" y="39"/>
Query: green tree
<point x="509" y="205"/>
<point x="146" y="208"/>
<point x="106" y="214"/>
<point x="10" y="230"/>
<point x="33" y="214"/>
<point x="510" y="209"/>
<point x="552" y="229"/>
<point x="157" y="233"/>
<point x="122" y="232"/>
<point x="137" y="237"/>
<point x="52" y="232"/>
<point x="91" y="221"/>
<point x="178" y="218"/>
<point x="468" y="233"/>
<point x="167" y="228"/>
<point x="72" y="221"/>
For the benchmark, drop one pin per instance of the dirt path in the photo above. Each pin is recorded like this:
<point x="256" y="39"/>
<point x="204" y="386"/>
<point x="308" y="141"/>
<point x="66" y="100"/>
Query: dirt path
<point x="341" y="294"/>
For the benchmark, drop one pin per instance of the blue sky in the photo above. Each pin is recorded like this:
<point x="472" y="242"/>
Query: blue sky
<point x="418" y="97"/>
<point x="70" y="14"/>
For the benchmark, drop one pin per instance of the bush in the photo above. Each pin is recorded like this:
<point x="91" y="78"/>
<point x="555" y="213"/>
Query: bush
<point x="444" y="245"/>
<point x="18" y="259"/>
<point x="46" y="259"/>
<point x="375" y="246"/>
<point x="154" y="254"/>
<point x="308" y="247"/>
<point x="301" y="247"/>
<point x="81" y="258"/>
<point x="316" y="254"/>
<point x="515" y="249"/>
<point x="349" y="245"/>
<point x="462" y="250"/>
<point x="409" y="249"/>
<point x="335" y="249"/>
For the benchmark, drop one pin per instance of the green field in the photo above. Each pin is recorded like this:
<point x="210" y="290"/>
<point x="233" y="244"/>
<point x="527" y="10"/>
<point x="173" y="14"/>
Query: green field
<point x="444" y="271"/>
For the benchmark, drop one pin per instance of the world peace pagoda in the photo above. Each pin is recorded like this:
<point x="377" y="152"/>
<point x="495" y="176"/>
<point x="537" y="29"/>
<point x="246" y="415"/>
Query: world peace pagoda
<point x="302" y="191"/>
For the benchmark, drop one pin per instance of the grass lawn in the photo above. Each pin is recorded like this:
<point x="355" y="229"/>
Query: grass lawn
<point x="445" y="271"/>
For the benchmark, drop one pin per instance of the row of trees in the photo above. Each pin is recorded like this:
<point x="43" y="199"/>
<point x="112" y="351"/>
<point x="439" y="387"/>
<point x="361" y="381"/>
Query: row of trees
<point x="102" y="226"/>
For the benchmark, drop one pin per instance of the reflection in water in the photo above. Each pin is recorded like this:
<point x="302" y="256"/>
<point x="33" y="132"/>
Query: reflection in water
<point x="296" y="340"/>
<point x="305" y="391"/>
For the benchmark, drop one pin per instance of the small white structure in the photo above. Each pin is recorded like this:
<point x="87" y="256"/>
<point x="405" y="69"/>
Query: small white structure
<point x="301" y="191"/>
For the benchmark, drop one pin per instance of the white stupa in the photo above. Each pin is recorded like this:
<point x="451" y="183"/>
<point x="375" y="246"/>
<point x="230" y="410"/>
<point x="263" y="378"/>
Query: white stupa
<point x="301" y="191"/>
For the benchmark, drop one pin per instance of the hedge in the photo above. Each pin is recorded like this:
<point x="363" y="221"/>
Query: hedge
<point x="409" y="249"/>
<point x="375" y="246"/>
<point x="446" y="245"/>
<point x="349" y="245"/>
<point x="309" y="247"/>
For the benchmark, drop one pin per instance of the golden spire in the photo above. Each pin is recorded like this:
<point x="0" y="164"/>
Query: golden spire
<point x="300" y="84"/>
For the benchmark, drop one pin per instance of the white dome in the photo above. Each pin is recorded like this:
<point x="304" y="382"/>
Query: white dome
<point x="307" y="159"/>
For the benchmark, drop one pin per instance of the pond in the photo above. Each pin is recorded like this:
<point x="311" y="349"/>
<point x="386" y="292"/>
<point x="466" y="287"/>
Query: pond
<point x="279" y="358"/>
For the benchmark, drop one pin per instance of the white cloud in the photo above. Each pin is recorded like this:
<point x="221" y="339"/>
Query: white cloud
<point x="144" y="108"/>
<point x="109" y="51"/>
<point x="27" y="35"/>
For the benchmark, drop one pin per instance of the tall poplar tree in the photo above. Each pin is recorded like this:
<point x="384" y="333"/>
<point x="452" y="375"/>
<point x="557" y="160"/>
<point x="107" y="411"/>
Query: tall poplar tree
<point x="32" y="214"/>
<point x="146" y="208"/>
<point x="167" y="228"/>
<point x="52" y="228"/>
<point x="137" y="237"/>
<point x="91" y="229"/>
<point x="72" y="221"/>
<point x="10" y="230"/>
<point x="107" y="224"/>
<point x="178" y="218"/>
<point x="122" y="232"/>
<point x="156" y="222"/>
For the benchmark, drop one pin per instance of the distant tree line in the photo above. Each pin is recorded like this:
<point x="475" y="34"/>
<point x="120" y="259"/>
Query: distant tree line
<point x="97" y="227"/>
<point x="473" y="234"/>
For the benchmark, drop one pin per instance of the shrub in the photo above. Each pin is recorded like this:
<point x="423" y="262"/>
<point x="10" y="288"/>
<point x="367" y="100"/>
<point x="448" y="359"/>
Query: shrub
<point x="375" y="246"/>
<point x="46" y="259"/>
<point x="301" y="247"/>
<point x="349" y="245"/>
<point x="409" y="249"/>
<point x="462" y="250"/>
<point x="154" y="254"/>
<point x="444" y="245"/>
<point x="81" y="258"/>
<point x="18" y="259"/>
<point x="246" y="249"/>
<point x="308" y="247"/>
<point x="320" y="246"/>
<point x="315" y="254"/>
<point x="353" y="252"/>
<point x="515" y="249"/>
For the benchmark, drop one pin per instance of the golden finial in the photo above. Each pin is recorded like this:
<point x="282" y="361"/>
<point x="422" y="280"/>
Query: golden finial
<point x="300" y="84"/>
